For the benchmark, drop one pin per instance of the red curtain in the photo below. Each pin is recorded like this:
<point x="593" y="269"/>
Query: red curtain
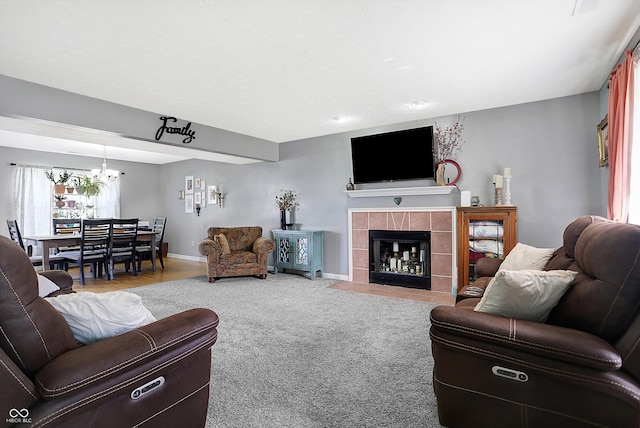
<point x="621" y="84"/>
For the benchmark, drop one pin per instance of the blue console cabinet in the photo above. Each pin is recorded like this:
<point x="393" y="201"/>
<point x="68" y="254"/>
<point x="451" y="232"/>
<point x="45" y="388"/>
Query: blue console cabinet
<point x="298" y="250"/>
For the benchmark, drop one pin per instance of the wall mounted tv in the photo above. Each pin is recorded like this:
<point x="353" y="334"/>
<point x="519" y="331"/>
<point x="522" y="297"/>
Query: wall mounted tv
<point x="393" y="156"/>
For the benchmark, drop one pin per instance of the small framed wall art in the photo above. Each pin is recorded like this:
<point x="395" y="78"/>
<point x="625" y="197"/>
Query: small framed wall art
<point x="188" y="203"/>
<point x="188" y="184"/>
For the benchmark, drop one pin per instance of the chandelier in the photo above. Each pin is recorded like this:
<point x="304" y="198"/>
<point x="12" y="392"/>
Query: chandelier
<point x="105" y="175"/>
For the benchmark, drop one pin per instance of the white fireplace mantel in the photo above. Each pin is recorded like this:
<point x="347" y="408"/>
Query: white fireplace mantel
<point x="401" y="191"/>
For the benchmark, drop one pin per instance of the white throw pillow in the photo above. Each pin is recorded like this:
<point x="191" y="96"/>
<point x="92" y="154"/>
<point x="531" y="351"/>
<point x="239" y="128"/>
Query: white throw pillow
<point x="96" y="316"/>
<point x="525" y="294"/>
<point x="46" y="286"/>
<point x="524" y="256"/>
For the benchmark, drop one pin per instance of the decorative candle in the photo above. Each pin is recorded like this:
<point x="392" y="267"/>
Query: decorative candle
<point x="507" y="172"/>
<point x="494" y="178"/>
<point x="499" y="181"/>
<point x="395" y="247"/>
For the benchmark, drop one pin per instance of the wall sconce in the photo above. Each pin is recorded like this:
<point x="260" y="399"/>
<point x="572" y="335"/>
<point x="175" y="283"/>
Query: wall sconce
<point x="181" y="195"/>
<point x="198" y="209"/>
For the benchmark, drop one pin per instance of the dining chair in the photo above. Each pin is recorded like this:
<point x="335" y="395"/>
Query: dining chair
<point x="55" y="262"/>
<point x="64" y="226"/>
<point x="122" y="246"/>
<point x="95" y="237"/>
<point x="143" y="249"/>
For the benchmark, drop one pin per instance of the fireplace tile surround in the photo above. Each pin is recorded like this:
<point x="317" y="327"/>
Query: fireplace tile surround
<point x="439" y="221"/>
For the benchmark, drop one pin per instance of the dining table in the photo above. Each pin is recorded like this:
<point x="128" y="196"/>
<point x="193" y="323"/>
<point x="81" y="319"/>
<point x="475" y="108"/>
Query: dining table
<point x="48" y="242"/>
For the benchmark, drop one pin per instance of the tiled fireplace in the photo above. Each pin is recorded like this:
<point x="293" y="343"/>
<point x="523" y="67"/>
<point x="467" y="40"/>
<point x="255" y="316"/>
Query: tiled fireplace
<point x="438" y="221"/>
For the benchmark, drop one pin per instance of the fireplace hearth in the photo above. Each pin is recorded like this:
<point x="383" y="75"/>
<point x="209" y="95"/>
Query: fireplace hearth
<point x="400" y="257"/>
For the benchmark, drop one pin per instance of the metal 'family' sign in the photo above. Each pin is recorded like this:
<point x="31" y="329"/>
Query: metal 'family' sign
<point x="190" y="134"/>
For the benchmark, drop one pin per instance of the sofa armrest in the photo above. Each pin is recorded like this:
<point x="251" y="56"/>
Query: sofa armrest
<point x="123" y="359"/>
<point x="211" y="249"/>
<point x="545" y="340"/>
<point x="61" y="278"/>
<point x="263" y="245"/>
<point x="487" y="266"/>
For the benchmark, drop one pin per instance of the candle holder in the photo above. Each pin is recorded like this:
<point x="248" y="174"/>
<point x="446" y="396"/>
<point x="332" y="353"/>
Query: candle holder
<point x="507" y="190"/>
<point x="498" y="196"/>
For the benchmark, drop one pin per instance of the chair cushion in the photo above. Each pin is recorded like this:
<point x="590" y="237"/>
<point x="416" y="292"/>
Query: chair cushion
<point x="524" y="256"/>
<point x="224" y="244"/>
<point x="239" y="258"/>
<point x="525" y="294"/>
<point x="96" y="316"/>
<point x="604" y="298"/>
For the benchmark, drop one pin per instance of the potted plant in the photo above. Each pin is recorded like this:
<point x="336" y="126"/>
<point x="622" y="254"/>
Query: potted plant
<point x="87" y="185"/>
<point x="59" y="180"/>
<point x="59" y="200"/>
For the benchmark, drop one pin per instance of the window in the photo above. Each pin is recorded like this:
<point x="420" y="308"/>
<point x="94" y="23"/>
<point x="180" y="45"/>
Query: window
<point x="34" y="197"/>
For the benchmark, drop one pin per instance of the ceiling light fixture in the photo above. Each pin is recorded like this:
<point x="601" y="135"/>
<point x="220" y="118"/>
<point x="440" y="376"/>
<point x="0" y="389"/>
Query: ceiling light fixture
<point x="105" y="174"/>
<point x="341" y="119"/>
<point x="419" y="104"/>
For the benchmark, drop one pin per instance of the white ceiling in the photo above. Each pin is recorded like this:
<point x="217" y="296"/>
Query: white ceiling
<point x="284" y="70"/>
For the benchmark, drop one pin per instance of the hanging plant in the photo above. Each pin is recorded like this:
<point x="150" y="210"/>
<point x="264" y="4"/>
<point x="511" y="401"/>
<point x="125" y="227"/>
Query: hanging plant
<point x="89" y="186"/>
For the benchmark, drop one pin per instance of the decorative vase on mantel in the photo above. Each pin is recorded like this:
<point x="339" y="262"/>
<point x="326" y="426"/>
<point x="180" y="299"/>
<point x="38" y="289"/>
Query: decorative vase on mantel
<point x="440" y="181"/>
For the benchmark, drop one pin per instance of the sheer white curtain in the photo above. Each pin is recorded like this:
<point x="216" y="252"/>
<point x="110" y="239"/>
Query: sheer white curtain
<point x="32" y="200"/>
<point x="108" y="201"/>
<point x="634" y="200"/>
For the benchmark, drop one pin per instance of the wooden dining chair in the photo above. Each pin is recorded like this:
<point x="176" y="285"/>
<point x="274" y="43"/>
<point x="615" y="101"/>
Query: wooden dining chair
<point x="122" y="247"/>
<point x="143" y="250"/>
<point x="55" y="262"/>
<point x="94" y="247"/>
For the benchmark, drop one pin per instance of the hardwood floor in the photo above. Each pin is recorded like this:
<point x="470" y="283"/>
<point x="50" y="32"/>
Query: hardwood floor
<point x="173" y="269"/>
<point x="179" y="268"/>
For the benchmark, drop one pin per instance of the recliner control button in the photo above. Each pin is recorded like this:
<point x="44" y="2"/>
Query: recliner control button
<point x="510" y="373"/>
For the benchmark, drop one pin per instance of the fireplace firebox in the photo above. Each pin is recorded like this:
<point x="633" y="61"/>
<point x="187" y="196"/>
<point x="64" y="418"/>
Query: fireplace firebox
<point x="400" y="257"/>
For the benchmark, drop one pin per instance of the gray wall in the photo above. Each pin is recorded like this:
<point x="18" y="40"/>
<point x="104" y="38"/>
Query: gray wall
<point x="550" y="145"/>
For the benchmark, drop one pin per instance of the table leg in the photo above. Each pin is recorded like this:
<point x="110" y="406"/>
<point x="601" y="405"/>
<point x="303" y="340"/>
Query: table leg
<point x="153" y="252"/>
<point x="44" y="247"/>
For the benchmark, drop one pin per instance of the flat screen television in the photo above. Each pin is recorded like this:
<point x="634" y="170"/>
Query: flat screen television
<point x="393" y="156"/>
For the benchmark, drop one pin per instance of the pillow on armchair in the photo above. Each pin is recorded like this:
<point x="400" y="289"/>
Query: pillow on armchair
<point x="525" y="294"/>
<point x="223" y="242"/>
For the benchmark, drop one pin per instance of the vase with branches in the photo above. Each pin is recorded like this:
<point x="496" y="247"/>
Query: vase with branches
<point x="448" y="144"/>
<point x="286" y="202"/>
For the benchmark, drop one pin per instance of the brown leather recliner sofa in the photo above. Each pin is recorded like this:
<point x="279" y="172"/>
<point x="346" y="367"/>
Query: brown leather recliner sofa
<point x="247" y="253"/>
<point x="48" y="379"/>
<point x="581" y="368"/>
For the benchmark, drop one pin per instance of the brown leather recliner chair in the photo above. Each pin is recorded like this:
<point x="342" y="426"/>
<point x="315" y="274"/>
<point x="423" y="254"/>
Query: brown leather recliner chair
<point x="579" y="368"/>
<point x="156" y="375"/>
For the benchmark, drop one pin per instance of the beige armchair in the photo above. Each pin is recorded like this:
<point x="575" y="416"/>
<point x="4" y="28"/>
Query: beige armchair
<point x="236" y="251"/>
